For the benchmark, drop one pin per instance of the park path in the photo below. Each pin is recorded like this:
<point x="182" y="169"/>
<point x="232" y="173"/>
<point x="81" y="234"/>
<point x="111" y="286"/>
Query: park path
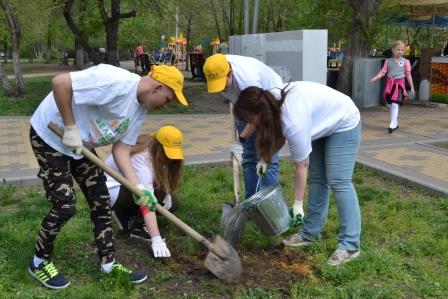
<point x="411" y="154"/>
<point x="417" y="153"/>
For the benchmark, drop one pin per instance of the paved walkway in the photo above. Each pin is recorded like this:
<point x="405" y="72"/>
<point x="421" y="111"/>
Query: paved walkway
<point x="410" y="154"/>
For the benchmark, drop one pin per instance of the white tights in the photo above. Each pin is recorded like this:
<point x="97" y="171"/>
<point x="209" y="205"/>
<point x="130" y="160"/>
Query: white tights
<point x="393" y="115"/>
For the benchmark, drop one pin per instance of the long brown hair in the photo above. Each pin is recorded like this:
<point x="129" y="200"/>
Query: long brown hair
<point x="167" y="172"/>
<point x="254" y="102"/>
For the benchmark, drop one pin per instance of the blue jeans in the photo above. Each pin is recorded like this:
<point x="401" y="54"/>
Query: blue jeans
<point x="250" y="160"/>
<point x="331" y="167"/>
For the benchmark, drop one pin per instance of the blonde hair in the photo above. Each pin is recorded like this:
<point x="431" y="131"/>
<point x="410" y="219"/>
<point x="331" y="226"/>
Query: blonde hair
<point x="167" y="172"/>
<point x="397" y="43"/>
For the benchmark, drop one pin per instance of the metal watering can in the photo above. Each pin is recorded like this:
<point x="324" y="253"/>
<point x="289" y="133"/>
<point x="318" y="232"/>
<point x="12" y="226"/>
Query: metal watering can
<point x="269" y="211"/>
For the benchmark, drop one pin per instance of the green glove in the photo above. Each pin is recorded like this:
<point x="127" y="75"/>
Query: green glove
<point x="262" y="168"/>
<point x="148" y="199"/>
<point x="296" y="220"/>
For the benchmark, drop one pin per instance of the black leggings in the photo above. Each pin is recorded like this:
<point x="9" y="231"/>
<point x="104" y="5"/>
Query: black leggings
<point x="126" y="205"/>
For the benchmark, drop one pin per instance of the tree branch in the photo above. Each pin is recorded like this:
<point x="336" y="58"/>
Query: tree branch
<point x="75" y="30"/>
<point x="103" y="12"/>
<point x="127" y="14"/>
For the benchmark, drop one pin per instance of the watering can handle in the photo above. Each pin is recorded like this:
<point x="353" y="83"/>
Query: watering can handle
<point x="258" y="184"/>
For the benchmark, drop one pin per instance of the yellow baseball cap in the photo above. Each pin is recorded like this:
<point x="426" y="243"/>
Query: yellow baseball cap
<point x="172" y="141"/>
<point x="171" y="77"/>
<point x="216" y="68"/>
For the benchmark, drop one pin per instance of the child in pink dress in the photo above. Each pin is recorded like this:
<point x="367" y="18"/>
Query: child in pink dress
<point x="396" y="68"/>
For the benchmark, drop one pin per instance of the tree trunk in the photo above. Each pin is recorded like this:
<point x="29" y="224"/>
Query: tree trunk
<point x="358" y="41"/>
<point x="246" y="16"/>
<point x="49" y="36"/>
<point x="190" y="16"/>
<point x="14" y="29"/>
<point x="79" y="55"/>
<point x="111" y="24"/>
<point x="215" y="16"/>
<point x="96" y="57"/>
<point x="111" y="42"/>
<point x="255" y="16"/>
<point x="6" y="85"/>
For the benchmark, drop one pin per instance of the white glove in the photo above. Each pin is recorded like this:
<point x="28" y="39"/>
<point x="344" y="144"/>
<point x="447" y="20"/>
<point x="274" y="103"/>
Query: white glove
<point x="262" y="168"/>
<point x="297" y="208"/>
<point x="159" y="247"/>
<point x="167" y="202"/>
<point x="72" y="139"/>
<point x="236" y="149"/>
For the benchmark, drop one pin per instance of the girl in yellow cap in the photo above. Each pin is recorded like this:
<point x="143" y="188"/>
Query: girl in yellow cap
<point x="158" y="162"/>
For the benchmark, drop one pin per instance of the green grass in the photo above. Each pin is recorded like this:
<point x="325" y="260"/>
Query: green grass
<point x="404" y="247"/>
<point x="439" y="98"/>
<point x="36" y="90"/>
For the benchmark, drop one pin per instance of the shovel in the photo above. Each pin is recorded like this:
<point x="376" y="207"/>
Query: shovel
<point x="227" y="207"/>
<point x="222" y="260"/>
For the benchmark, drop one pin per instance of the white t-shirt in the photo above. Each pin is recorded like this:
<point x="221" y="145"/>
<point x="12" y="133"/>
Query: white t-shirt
<point x="312" y="111"/>
<point x="142" y="164"/>
<point x="248" y="71"/>
<point x="105" y="106"/>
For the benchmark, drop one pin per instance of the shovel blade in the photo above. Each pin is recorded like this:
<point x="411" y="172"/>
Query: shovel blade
<point x="226" y="209"/>
<point x="228" y="268"/>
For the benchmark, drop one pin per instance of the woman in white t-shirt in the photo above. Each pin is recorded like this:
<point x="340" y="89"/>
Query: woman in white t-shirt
<point x="158" y="162"/>
<point x="323" y="130"/>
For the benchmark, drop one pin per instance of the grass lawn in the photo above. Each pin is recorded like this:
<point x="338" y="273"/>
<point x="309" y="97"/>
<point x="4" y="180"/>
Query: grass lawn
<point x="404" y="248"/>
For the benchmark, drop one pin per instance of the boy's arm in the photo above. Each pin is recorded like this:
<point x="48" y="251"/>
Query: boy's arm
<point x="62" y="91"/>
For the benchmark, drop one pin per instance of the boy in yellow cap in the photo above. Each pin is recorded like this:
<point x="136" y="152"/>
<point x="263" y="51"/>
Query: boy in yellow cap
<point x="158" y="162"/>
<point x="231" y="74"/>
<point x="101" y="105"/>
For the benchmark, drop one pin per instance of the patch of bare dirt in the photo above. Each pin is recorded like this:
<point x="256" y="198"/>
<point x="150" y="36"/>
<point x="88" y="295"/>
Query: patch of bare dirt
<point x="182" y="274"/>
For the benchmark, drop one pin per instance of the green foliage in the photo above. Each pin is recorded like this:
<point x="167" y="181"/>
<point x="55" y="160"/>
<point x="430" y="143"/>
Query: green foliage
<point x="6" y="193"/>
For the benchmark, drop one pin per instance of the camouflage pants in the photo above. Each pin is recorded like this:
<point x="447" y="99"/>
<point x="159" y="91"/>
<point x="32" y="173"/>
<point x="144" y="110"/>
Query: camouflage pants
<point x="57" y="172"/>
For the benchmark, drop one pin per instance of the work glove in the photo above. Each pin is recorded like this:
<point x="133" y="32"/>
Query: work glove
<point x="148" y="199"/>
<point x="297" y="208"/>
<point x="159" y="248"/>
<point x="262" y="168"/>
<point x="167" y="202"/>
<point x="236" y="149"/>
<point x="72" y="139"/>
<point x="297" y="213"/>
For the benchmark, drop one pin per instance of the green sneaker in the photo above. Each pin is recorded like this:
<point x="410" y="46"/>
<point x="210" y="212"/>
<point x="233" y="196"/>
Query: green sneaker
<point x="47" y="274"/>
<point x="133" y="276"/>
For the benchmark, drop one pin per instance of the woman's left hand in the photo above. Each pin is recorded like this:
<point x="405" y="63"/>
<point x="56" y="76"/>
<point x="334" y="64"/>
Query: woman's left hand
<point x="159" y="247"/>
<point x="167" y="202"/>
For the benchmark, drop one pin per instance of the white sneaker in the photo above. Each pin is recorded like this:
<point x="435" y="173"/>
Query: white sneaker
<point x="341" y="256"/>
<point x="296" y="240"/>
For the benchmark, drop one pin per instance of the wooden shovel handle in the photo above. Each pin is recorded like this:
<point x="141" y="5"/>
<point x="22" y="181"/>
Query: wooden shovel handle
<point x="120" y="178"/>
<point x="235" y="166"/>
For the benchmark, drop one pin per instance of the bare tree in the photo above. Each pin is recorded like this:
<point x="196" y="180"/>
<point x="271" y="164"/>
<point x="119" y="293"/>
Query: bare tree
<point x="255" y="16"/>
<point x="111" y="24"/>
<point x="246" y="16"/>
<point x="6" y="85"/>
<point x="358" y="41"/>
<point x="14" y="28"/>
<point x="215" y="15"/>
